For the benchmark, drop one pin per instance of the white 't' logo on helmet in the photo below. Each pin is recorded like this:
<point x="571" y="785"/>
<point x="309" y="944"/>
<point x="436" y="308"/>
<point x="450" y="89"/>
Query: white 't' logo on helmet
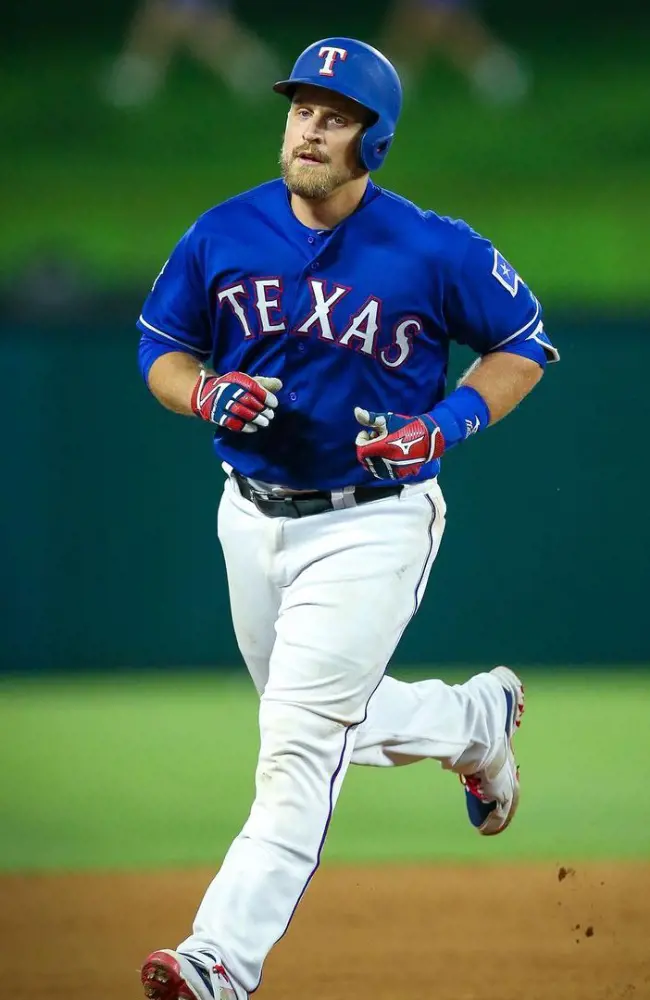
<point x="330" y="55"/>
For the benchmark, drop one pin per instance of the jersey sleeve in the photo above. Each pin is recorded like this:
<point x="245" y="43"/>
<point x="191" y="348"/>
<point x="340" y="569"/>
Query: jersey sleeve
<point x="176" y="311"/>
<point x="490" y="308"/>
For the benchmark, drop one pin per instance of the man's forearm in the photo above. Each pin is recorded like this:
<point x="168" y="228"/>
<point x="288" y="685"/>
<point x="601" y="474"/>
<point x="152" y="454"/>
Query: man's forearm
<point x="171" y="380"/>
<point x="503" y="380"/>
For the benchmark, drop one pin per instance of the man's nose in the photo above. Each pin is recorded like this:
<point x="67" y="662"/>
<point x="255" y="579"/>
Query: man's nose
<point x="312" y="134"/>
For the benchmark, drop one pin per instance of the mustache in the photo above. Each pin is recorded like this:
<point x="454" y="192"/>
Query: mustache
<point x="308" y="151"/>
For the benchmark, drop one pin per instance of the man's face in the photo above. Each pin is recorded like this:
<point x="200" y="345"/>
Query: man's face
<point x="321" y="142"/>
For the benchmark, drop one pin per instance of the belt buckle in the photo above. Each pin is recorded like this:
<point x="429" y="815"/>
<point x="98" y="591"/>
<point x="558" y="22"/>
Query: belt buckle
<point x="274" y="506"/>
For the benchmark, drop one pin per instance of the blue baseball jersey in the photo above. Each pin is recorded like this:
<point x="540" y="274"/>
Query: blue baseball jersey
<point x="361" y="315"/>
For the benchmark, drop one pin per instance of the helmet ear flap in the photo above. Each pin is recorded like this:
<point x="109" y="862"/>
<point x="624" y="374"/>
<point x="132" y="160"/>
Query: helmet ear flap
<point x="374" y="147"/>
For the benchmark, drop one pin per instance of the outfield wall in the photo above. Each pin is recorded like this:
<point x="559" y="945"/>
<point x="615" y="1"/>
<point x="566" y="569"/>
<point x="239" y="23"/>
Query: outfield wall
<point x="108" y="512"/>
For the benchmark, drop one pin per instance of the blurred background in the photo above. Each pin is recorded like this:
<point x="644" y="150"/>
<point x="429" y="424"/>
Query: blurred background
<point x="119" y="124"/>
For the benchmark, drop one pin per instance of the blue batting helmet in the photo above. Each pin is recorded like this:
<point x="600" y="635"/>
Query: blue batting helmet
<point x="360" y="72"/>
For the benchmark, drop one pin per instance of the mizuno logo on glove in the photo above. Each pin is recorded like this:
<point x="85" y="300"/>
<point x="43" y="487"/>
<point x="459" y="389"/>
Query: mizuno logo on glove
<point x="407" y="445"/>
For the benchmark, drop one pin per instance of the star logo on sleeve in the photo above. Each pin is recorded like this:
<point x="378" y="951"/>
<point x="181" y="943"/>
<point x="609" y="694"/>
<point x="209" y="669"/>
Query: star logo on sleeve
<point x="505" y="273"/>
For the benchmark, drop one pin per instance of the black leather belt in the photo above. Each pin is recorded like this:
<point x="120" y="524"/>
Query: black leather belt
<point x="306" y="504"/>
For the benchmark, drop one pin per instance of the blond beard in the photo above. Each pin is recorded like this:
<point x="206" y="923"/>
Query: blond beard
<point x="315" y="183"/>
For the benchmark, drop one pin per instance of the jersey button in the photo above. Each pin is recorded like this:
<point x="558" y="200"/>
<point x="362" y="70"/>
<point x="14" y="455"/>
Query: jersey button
<point x="315" y="265"/>
<point x="301" y="348"/>
<point x="310" y="239"/>
<point x="293" y="396"/>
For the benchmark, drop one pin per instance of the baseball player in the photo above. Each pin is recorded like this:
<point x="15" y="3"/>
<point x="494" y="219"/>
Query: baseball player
<point x="309" y="322"/>
<point x="208" y="29"/>
<point x="457" y="31"/>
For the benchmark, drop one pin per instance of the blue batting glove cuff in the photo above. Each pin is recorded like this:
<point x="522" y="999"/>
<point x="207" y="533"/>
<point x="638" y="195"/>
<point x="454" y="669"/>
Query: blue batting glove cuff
<point x="463" y="413"/>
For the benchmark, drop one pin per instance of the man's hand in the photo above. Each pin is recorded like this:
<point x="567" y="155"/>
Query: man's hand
<point x="235" y="401"/>
<point x="393" y="446"/>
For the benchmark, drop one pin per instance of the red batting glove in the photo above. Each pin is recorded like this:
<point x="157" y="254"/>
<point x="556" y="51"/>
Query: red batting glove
<point x="235" y="401"/>
<point x="393" y="446"/>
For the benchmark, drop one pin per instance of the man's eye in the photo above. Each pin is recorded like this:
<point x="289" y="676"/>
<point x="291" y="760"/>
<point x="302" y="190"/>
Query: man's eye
<point x="338" y="121"/>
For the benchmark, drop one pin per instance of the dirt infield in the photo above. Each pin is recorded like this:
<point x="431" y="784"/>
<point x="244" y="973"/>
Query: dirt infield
<point x="417" y="933"/>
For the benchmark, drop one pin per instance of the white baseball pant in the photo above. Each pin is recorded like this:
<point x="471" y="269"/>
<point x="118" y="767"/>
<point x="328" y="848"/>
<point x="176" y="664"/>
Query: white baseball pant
<point x="318" y="605"/>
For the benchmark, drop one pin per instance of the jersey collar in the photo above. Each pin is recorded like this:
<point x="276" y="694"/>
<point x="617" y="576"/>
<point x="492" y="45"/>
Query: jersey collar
<point x="371" y="192"/>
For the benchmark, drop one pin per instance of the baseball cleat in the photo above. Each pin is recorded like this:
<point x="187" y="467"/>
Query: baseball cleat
<point x="169" y="975"/>
<point x="492" y="794"/>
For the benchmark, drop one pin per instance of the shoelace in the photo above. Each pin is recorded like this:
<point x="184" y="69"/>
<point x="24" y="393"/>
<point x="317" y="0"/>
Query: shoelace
<point x="220" y="972"/>
<point x="472" y="783"/>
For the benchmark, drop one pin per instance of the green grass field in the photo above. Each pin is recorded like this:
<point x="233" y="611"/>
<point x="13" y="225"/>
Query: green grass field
<point x="151" y="771"/>
<point x="561" y="183"/>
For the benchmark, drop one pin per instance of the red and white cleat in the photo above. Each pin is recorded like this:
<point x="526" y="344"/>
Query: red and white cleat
<point x="170" y="975"/>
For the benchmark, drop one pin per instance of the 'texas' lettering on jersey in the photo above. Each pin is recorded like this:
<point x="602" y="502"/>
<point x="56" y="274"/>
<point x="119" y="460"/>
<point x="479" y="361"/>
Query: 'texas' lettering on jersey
<point x="327" y="318"/>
